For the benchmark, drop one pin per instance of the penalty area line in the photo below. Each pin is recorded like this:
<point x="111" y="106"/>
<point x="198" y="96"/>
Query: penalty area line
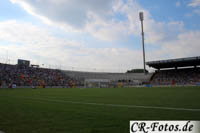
<point x="116" y="105"/>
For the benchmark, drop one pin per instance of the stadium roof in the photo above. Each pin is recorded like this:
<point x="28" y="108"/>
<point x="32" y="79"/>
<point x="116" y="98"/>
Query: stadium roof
<point x="173" y="63"/>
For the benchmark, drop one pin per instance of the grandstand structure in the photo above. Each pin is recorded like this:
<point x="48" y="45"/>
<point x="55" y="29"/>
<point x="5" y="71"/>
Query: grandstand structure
<point x="181" y="71"/>
<point x="105" y="79"/>
<point x="24" y="74"/>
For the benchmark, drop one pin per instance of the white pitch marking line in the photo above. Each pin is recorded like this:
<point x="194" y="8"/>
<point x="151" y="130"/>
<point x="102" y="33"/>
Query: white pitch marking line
<point x="117" y="105"/>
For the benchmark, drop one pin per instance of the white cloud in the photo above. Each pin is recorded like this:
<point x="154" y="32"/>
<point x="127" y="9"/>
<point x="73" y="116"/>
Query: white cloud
<point x="197" y="11"/>
<point x="155" y="32"/>
<point x="107" y="30"/>
<point x="29" y="34"/>
<point x="77" y="15"/>
<point x="97" y="18"/>
<point x="194" y="3"/>
<point x="187" y="44"/>
<point x="26" y="41"/>
<point x="73" y="13"/>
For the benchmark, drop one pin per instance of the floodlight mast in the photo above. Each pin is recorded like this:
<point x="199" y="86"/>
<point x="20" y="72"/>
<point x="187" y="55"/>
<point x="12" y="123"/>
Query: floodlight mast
<point x="141" y="19"/>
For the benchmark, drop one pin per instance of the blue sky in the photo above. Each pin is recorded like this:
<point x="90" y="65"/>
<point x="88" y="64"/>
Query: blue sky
<point x="98" y="35"/>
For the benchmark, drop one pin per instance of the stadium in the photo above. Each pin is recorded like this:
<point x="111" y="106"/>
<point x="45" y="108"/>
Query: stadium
<point x="39" y="99"/>
<point x="173" y="72"/>
<point x="45" y="100"/>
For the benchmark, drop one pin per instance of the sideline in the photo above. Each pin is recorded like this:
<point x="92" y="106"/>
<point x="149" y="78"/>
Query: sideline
<point x="114" y="105"/>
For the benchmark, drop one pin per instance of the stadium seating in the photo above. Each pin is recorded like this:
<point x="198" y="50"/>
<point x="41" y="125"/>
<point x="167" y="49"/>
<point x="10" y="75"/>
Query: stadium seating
<point x="186" y="76"/>
<point x="128" y="78"/>
<point x="35" y="76"/>
<point x="30" y="76"/>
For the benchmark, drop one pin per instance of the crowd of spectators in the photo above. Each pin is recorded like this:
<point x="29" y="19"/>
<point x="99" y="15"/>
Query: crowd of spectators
<point x="186" y="76"/>
<point x="31" y="76"/>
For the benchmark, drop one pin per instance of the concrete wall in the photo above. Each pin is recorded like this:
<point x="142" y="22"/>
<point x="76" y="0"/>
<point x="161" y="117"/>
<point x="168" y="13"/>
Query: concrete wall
<point x="109" y="76"/>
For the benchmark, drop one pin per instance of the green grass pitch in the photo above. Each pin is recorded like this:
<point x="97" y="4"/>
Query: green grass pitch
<point x="93" y="110"/>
